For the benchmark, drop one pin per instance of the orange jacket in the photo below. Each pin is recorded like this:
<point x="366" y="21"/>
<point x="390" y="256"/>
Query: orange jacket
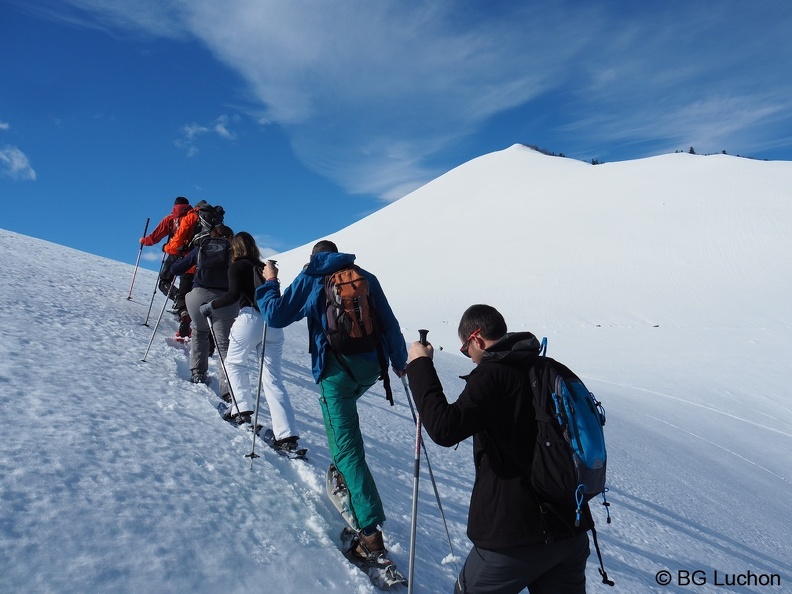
<point x="167" y="226"/>
<point x="178" y="245"/>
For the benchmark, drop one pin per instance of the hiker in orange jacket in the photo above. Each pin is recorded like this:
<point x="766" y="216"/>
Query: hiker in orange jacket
<point x="179" y="245"/>
<point x="181" y="242"/>
<point x="169" y="223"/>
<point x="167" y="228"/>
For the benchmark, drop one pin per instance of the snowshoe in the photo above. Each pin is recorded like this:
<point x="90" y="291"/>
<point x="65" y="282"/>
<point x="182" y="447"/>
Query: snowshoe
<point x="337" y="492"/>
<point x="243" y="420"/>
<point x="286" y="447"/>
<point x="381" y="570"/>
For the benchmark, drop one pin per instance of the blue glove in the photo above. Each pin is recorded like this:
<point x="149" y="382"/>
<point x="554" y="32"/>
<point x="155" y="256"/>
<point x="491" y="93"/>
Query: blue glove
<point x="206" y="310"/>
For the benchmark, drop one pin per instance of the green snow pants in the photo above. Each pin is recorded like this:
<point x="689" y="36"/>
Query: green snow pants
<point x="339" y="395"/>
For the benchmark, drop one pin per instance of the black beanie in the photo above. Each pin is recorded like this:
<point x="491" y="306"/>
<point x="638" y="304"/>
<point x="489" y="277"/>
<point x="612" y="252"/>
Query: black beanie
<point x="180" y="200"/>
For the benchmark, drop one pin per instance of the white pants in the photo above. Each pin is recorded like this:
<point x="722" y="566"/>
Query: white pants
<point x="245" y="338"/>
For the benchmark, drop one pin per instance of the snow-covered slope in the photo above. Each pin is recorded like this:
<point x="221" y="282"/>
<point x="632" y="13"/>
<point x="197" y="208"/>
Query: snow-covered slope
<point x="664" y="282"/>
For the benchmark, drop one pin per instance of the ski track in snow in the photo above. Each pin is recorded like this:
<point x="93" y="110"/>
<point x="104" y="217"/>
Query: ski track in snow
<point x="725" y="449"/>
<point x="704" y="406"/>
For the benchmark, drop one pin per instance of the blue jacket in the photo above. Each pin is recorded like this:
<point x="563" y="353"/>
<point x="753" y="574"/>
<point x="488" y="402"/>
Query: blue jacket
<point x="304" y="298"/>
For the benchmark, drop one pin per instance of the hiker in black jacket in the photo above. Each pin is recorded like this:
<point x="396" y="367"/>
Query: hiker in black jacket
<point x="517" y="543"/>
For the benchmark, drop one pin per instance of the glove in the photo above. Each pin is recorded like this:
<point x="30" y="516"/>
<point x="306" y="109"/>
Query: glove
<point x="146" y="241"/>
<point x="206" y="310"/>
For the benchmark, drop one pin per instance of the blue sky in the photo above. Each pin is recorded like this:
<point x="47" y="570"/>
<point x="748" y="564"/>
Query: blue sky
<point x="302" y="117"/>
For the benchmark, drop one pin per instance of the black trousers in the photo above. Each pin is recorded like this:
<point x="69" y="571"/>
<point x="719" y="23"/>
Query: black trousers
<point x="171" y="290"/>
<point x="548" y="568"/>
<point x="166" y="278"/>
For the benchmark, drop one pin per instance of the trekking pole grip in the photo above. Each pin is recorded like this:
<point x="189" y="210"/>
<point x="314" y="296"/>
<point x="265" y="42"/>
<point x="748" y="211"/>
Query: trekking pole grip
<point x="422" y="338"/>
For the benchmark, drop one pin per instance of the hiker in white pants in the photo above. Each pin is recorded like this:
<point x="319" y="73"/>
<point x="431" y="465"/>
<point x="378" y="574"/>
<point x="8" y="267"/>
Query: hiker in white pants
<point x="245" y="338"/>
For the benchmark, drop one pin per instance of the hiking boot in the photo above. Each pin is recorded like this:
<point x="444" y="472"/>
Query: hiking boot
<point x="370" y="547"/>
<point x="238" y="418"/>
<point x="287" y="444"/>
<point x="184" y="324"/>
<point x="226" y="397"/>
<point x="199" y="377"/>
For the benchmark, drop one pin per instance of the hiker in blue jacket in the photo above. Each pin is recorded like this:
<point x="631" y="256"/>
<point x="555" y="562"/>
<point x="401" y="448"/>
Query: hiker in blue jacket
<point x="342" y="378"/>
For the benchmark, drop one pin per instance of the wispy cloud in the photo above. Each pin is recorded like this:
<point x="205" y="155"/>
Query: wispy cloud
<point x="268" y="245"/>
<point x="190" y="133"/>
<point x="370" y="93"/>
<point x="15" y="164"/>
<point x="4" y="126"/>
<point x="151" y="256"/>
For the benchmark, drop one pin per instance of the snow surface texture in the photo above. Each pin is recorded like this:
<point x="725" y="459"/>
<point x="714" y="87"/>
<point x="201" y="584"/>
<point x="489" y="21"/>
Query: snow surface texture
<point x="663" y="282"/>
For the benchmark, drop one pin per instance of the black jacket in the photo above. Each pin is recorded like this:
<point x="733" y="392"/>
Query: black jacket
<point x="240" y="285"/>
<point x="496" y="409"/>
<point x="211" y="260"/>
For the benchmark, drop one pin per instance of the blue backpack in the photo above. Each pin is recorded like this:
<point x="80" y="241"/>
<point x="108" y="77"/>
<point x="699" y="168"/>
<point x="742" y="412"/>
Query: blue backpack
<point x="570" y="459"/>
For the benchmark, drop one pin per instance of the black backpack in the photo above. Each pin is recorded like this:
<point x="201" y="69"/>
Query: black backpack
<point x="209" y="217"/>
<point x="214" y="257"/>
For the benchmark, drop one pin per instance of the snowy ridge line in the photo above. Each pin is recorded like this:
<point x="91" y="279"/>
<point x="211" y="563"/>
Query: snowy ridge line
<point x="712" y="443"/>
<point x="696" y="404"/>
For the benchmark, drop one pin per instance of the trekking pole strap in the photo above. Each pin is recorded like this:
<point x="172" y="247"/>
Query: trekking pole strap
<point x="602" y="572"/>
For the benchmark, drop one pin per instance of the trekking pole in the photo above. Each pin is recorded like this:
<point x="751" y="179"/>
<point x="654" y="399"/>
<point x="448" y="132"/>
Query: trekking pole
<point x="140" y="251"/>
<point x="416" y="477"/>
<point x="159" y="319"/>
<point x="156" y="284"/>
<point x="253" y="455"/>
<point x="222" y="363"/>
<point x="414" y="521"/>
<point x="431" y="474"/>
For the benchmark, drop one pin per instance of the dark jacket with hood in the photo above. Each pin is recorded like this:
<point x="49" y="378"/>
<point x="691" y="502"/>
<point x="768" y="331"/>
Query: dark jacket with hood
<point x="503" y="510"/>
<point x="211" y="261"/>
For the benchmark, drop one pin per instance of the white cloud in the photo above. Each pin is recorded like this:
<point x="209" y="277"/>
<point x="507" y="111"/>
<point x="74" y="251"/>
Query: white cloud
<point x="151" y="256"/>
<point x="4" y="126"/>
<point x="190" y="133"/>
<point x="369" y="92"/>
<point x="15" y="164"/>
